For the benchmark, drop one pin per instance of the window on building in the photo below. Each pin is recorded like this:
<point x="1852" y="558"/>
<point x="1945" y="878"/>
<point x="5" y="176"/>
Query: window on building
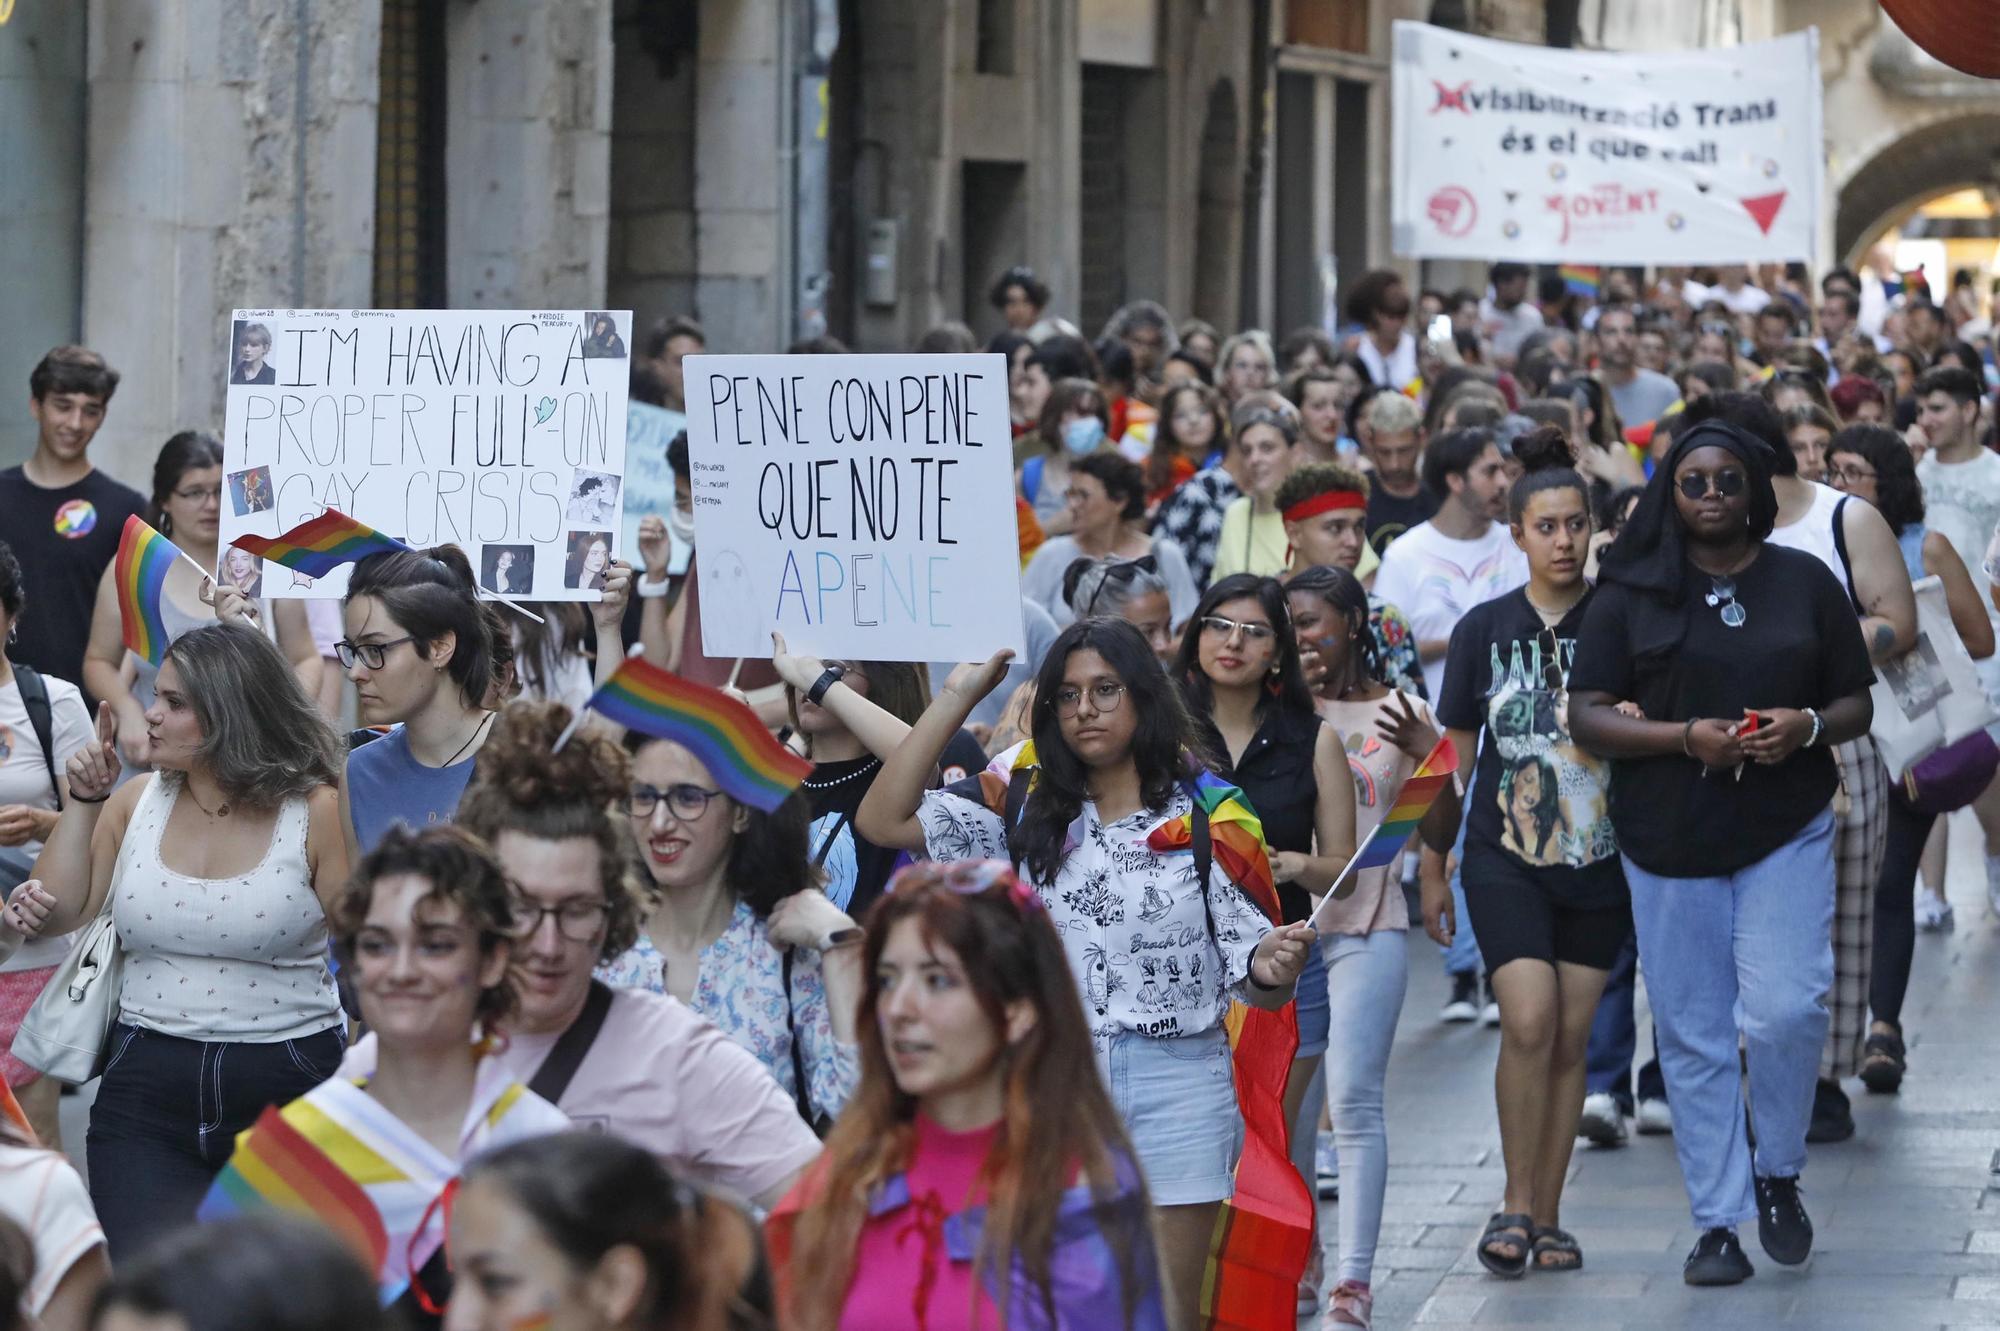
<point x="409" y="158"/>
<point x="995" y="52"/>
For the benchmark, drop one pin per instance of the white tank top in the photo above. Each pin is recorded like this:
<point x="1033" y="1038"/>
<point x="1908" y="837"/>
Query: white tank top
<point x="1813" y="533"/>
<point x="237" y="960"/>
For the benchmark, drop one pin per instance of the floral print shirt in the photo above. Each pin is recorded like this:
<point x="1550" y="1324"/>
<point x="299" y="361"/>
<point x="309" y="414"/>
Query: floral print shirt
<point x="741" y="988"/>
<point x="1149" y="953"/>
<point x="1191" y="518"/>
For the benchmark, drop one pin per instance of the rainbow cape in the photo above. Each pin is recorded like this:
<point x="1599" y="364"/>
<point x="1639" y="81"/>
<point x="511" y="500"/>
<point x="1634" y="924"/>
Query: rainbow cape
<point x="144" y="559"/>
<point x="279" y="1165"/>
<point x="318" y="546"/>
<point x="743" y="757"/>
<point x="1413" y="801"/>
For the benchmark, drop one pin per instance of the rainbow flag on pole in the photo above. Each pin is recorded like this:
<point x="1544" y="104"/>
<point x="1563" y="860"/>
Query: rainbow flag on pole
<point x="1580" y="279"/>
<point x="320" y="545"/>
<point x="745" y="759"/>
<point x="144" y="559"/>
<point x="1413" y="801"/>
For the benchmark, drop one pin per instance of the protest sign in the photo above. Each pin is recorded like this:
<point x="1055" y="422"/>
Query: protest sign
<point x="1502" y="150"/>
<point x="860" y="505"/>
<point x="499" y="431"/>
<point x="649" y="481"/>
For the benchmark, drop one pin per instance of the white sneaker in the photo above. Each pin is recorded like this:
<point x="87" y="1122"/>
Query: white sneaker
<point x="1933" y="912"/>
<point x="1489" y="1010"/>
<point x="1464" y="1002"/>
<point x="1326" y="1166"/>
<point x="1601" y="1122"/>
<point x="1655" y="1118"/>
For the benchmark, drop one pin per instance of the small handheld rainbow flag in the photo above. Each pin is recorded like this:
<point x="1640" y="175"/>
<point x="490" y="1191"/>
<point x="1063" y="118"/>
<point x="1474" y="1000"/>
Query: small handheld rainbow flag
<point x="1580" y="279"/>
<point x="1413" y="801"/>
<point x="144" y="559"/>
<point x="320" y="545"/>
<point x="745" y="759"/>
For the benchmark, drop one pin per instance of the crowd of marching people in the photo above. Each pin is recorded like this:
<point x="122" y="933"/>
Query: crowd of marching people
<point x="445" y="960"/>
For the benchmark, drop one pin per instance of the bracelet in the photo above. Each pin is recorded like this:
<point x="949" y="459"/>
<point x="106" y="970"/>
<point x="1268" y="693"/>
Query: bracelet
<point x="1687" y="736"/>
<point x="649" y="590"/>
<point x="829" y="677"/>
<point x="79" y="799"/>
<point x="1819" y="726"/>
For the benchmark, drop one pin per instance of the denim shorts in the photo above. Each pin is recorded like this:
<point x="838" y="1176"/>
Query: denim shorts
<point x="1178" y="1099"/>
<point x="1315" y="1016"/>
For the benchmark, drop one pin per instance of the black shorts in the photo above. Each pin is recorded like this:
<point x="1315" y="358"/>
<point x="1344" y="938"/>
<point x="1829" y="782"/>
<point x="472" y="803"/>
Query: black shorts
<point x="1515" y="916"/>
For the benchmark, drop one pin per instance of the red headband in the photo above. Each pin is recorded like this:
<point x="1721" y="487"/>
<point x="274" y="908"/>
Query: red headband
<point x="1325" y="502"/>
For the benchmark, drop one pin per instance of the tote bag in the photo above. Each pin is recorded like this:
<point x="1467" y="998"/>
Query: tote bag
<point x="65" y="1033"/>
<point x="1929" y="697"/>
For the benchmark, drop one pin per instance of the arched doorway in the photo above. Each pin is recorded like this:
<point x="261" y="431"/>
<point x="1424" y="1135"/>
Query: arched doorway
<point x="1947" y="154"/>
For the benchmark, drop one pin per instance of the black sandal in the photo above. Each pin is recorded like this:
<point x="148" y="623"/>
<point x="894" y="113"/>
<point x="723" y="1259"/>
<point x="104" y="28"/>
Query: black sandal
<point x="1512" y="1265"/>
<point x="1883" y="1063"/>
<point x="1561" y="1244"/>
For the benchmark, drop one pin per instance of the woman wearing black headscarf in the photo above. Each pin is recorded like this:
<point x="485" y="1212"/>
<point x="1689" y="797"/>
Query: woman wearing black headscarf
<point x="1748" y="666"/>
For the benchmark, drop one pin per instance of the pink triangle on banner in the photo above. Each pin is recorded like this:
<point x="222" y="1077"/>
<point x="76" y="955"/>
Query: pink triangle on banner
<point x="1764" y="209"/>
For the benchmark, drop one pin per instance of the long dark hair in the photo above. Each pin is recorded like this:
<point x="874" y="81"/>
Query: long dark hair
<point x="1288" y="689"/>
<point x="1341" y="590"/>
<point x="770" y="859"/>
<point x="1058" y="1120"/>
<point x="1162" y="733"/>
<point x="429" y="593"/>
<point x="190" y="450"/>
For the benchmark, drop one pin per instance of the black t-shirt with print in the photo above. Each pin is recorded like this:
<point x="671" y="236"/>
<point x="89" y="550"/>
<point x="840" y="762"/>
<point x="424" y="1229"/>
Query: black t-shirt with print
<point x="1536" y="797"/>
<point x="1389" y="516"/>
<point x="1799" y="646"/>
<point x="64" y="538"/>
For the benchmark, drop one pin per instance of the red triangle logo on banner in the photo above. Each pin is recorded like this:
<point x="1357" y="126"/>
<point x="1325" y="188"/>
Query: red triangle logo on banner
<point x="1764" y="209"/>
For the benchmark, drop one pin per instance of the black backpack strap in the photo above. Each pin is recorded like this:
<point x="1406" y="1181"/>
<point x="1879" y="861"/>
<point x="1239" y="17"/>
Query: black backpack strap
<point x="819" y="858"/>
<point x="819" y="1123"/>
<point x="1010" y="812"/>
<point x="1840" y="548"/>
<point x="35" y="697"/>
<point x="557" y="1070"/>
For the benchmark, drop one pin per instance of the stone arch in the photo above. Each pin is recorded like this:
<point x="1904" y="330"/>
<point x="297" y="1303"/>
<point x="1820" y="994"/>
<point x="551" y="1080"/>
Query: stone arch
<point x="1946" y="154"/>
<point x="1218" y="222"/>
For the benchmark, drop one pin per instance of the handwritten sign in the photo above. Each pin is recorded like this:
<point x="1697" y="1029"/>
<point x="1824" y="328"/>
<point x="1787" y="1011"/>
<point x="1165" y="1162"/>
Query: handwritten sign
<point x="860" y="505"/>
<point x="1507" y="151"/>
<point x="649" y="481"/>
<point x="498" y="431"/>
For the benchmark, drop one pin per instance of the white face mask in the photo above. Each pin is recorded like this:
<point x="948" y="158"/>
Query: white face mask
<point x="681" y="525"/>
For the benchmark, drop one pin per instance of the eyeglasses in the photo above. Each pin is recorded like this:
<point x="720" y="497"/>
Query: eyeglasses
<point x="1229" y="628"/>
<point x="685" y="802"/>
<point x="1121" y="573"/>
<point x="1728" y="484"/>
<point x="578" y="921"/>
<point x="1104" y="697"/>
<point x="1842" y="476"/>
<point x="197" y="495"/>
<point x="370" y="654"/>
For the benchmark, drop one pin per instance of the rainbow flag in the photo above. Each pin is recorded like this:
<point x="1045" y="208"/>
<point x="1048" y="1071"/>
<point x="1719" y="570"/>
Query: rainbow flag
<point x="278" y="1167"/>
<point x="1413" y="801"/>
<point x="1236" y="838"/>
<point x="1580" y="279"/>
<point x="320" y="545"/>
<point x="144" y="559"/>
<point x="743" y="757"/>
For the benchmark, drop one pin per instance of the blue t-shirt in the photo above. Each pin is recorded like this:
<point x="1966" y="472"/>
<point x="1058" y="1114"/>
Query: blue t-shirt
<point x="387" y="785"/>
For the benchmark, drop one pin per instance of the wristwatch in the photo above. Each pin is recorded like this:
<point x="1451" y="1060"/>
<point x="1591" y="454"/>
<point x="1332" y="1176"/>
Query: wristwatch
<point x="829" y="677"/>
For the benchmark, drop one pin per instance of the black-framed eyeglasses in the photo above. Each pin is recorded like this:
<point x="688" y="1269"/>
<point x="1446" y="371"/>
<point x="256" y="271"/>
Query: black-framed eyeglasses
<point x="370" y="654"/>
<point x="578" y="921"/>
<point x="1849" y="475"/>
<point x="684" y="801"/>
<point x="1222" y="627"/>
<point x="196" y="494"/>
<point x="1104" y="697"/>
<point x="1728" y="484"/>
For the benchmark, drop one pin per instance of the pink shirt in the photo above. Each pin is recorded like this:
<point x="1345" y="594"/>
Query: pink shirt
<point x="903" y="1275"/>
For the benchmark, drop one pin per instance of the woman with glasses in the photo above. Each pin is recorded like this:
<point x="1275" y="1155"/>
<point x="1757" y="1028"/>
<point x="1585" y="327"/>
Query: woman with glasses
<point x="1542" y="880"/>
<point x="1239" y="672"/>
<point x="218" y="870"/>
<point x="425" y="932"/>
<point x="186" y="509"/>
<point x="1107" y="506"/>
<point x="1099" y="810"/>
<point x="420" y="648"/>
<point x="1872" y="463"/>
<point x="1747" y="666"/>
<point x="738" y="929"/>
<point x="979" y="1113"/>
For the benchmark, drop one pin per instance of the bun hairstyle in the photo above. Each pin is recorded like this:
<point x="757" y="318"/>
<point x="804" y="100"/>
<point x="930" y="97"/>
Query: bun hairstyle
<point x="429" y="593"/>
<point x="1548" y="463"/>
<point x="518" y="785"/>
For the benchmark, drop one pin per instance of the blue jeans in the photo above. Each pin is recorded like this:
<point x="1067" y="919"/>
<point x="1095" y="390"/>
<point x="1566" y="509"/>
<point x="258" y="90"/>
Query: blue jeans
<point x="1177" y="1096"/>
<point x="1759" y="940"/>
<point x="1462" y="957"/>
<point x="1365" y="978"/>
<point x="1614" y="1038"/>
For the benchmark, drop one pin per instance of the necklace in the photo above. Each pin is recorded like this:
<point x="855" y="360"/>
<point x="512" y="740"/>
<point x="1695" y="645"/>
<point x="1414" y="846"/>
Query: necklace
<point x="860" y="771"/>
<point x="1722" y="593"/>
<point x="1552" y="616"/>
<point x="220" y="811"/>
<point x="476" y="732"/>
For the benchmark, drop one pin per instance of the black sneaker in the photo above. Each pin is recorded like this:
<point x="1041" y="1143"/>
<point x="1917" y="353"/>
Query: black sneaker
<point x="1832" y="1116"/>
<point x="1783" y="1226"/>
<point x="1464" y="1002"/>
<point x="1717" y="1259"/>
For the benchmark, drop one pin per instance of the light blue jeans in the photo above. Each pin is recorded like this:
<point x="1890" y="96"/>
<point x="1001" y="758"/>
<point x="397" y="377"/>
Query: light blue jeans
<point x="1758" y="942"/>
<point x="1365" y="977"/>
<point x="1177" y="1097"/>
<point x="1462" y="957"/>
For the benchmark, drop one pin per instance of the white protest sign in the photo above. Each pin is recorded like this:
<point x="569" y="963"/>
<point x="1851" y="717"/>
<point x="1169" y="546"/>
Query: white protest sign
<point x="1507" y="151"/>
<point x="649" y="481"/>
<point x="860" y="505"/>
<point x="499" y="431"/>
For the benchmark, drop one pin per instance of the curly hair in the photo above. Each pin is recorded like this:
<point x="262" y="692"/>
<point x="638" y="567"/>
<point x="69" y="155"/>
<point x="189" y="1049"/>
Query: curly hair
<point x="461" y="871"/>
<point x="519" y="785"/>
<point x="1121" y="478"/>
<point x="1899" y="495"/>
<point x="769" y="859"/>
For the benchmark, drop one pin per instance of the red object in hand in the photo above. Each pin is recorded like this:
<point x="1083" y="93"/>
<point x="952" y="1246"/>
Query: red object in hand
<point x="1751" y="723"/>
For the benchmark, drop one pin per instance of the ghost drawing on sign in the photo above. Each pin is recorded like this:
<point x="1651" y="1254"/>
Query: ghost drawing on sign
<point x="728" y="603"/>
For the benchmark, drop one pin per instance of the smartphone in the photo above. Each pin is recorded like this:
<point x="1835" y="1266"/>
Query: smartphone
<point x="1751" y="723"/>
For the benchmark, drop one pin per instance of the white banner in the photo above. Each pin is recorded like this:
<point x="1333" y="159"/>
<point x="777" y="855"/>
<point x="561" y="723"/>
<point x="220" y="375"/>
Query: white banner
<point x="499" y="431"/>
<point x="860" y="505"/>
<point x="1506" y="151"/>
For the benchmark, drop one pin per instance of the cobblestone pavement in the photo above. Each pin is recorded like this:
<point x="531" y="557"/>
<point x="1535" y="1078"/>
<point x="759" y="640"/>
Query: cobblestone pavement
<point x="1907" y="1213"/>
